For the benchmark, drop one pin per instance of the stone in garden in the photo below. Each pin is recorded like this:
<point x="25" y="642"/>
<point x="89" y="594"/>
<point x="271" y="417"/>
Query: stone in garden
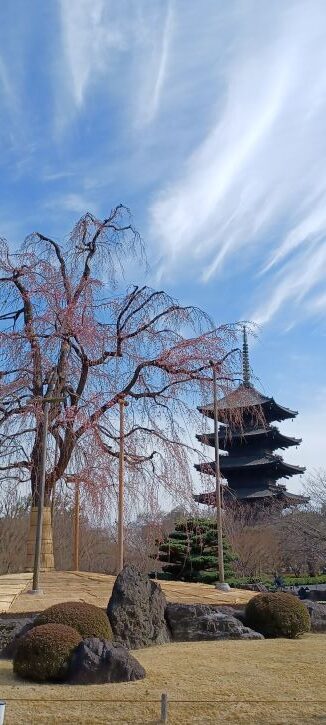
<point x="97" y="661"/>
<point x="317" y="613"/>
<point x="195" y="622"/>
<point x="136" y="610"/>
<point x="237" y="612"/>
<point x="256" y="587"/>
<point x="10" y="632"/>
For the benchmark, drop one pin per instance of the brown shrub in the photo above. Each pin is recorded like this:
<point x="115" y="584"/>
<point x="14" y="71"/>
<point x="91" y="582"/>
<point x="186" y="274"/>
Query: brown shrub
<point x="44" y="652"/>
<point x="88" y="620"/>
<point x="277" y="614"/>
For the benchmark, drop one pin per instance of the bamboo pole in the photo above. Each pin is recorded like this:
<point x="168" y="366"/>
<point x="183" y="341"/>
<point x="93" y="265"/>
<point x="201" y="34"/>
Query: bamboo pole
<point x="120" y="549"/>
<point x="76" y="528"/>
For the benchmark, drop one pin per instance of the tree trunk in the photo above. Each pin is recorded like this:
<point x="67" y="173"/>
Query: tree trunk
<point x="47" y="558"/>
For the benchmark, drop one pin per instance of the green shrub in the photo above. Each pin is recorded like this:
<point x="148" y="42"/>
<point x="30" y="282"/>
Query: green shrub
<point x="277" y="614"/>
<point x="44" y="652"/>
<point x="88" y="620"/>
<point x="304" y="580"/>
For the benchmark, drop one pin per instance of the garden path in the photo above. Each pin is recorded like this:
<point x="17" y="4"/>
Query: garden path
<point x="11" y="585"/>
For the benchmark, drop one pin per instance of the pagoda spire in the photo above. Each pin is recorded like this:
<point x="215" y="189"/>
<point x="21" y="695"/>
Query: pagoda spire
<point x="245" y="359"/>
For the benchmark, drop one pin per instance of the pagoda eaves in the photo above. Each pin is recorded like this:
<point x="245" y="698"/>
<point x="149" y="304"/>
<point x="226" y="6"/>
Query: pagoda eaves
<point x="269" y="436"/>
<point x="273" y="465"/>
<point x="253" y="496"/>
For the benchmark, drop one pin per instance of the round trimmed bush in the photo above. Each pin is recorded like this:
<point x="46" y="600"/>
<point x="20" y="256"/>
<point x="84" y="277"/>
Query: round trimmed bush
<point x="277" y="614"/>
<point x="88" y="620"/>
<point x="44" y="652"/>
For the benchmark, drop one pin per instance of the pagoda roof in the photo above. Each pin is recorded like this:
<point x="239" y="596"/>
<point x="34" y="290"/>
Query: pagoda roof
<point x="242" y="435"/>
<point x="246" y="397"/>
<point x="243" y="464"/>
<point x="251" y="494"/>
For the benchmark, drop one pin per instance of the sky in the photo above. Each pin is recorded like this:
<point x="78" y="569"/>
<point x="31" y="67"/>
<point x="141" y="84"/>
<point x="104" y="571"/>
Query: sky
<point x="207" y="119"/>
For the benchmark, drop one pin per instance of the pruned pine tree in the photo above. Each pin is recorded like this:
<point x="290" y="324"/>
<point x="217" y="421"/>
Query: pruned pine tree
<point x="190" y="552"/>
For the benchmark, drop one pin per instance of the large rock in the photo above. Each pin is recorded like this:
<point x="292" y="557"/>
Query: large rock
<point x="317" y="613"/>
<point x="193" y="622"/>
<point x="11" y="630"/>
<point x="136" y="610"/>
<point x="96" y="661"/>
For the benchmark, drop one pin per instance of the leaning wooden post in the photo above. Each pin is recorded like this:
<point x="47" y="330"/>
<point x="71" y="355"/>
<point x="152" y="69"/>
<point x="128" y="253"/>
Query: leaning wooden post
<point x="76" y="528"/>
<point x="164" y="707"/>
<point x="120" y="550"/>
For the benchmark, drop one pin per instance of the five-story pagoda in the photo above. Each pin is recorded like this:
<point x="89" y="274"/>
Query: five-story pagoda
<point x="251" y="468"/>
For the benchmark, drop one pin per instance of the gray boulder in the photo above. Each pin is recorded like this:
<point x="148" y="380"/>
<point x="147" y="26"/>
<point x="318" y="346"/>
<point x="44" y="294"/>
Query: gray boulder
<point x="11" y="630"/>
<point x="97" y="661"/>
<point x="256" y="587"/>
<point x="193" y="622"/>
<point x="317" y="613"/>
<point x="136" y="610"/>
<point x="237" y="612"/>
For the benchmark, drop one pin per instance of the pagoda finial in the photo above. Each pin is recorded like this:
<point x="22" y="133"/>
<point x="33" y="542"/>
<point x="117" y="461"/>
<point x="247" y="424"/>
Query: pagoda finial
<point x="245" y="359"/>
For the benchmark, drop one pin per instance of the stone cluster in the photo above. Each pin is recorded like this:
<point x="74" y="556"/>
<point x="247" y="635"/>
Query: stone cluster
<point x="140" y="617"/>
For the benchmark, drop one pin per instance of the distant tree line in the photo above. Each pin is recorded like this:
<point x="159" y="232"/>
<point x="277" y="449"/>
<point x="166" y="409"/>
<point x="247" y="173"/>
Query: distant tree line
<point x="292" y="543"/>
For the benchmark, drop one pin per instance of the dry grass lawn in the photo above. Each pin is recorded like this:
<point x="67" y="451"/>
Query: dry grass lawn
<point x="287" y="678"/>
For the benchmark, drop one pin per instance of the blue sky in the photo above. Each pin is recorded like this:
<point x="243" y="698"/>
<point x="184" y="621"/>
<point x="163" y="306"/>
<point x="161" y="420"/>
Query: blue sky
<point x="208" y="120"/>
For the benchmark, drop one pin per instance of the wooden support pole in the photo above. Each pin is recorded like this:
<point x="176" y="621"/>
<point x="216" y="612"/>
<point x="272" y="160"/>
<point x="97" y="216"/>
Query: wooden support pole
<point x="220" y="584"/>
<point x="164" y="707"/>
<point x="120" y="550"/>
<point x="76" y="528"/>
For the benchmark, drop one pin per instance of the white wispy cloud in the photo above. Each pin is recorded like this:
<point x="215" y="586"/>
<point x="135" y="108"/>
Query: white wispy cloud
<point x="254" y="188"/>
<point x="293" y="282"/>
<point x="126" y="45"/>
<point x="87" y="35"/>
<point x="154" y="66"/>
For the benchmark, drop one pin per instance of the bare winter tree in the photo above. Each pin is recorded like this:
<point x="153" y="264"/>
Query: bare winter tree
<point x="69" y="336"/>
<point x="13" y="529"/>
<point x="315" y="487"/>
<point x="304" y="530"/>
<point x="254" y="536"/>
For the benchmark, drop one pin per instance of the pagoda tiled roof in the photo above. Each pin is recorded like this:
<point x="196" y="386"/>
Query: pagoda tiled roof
<point x="246" y="397"/>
